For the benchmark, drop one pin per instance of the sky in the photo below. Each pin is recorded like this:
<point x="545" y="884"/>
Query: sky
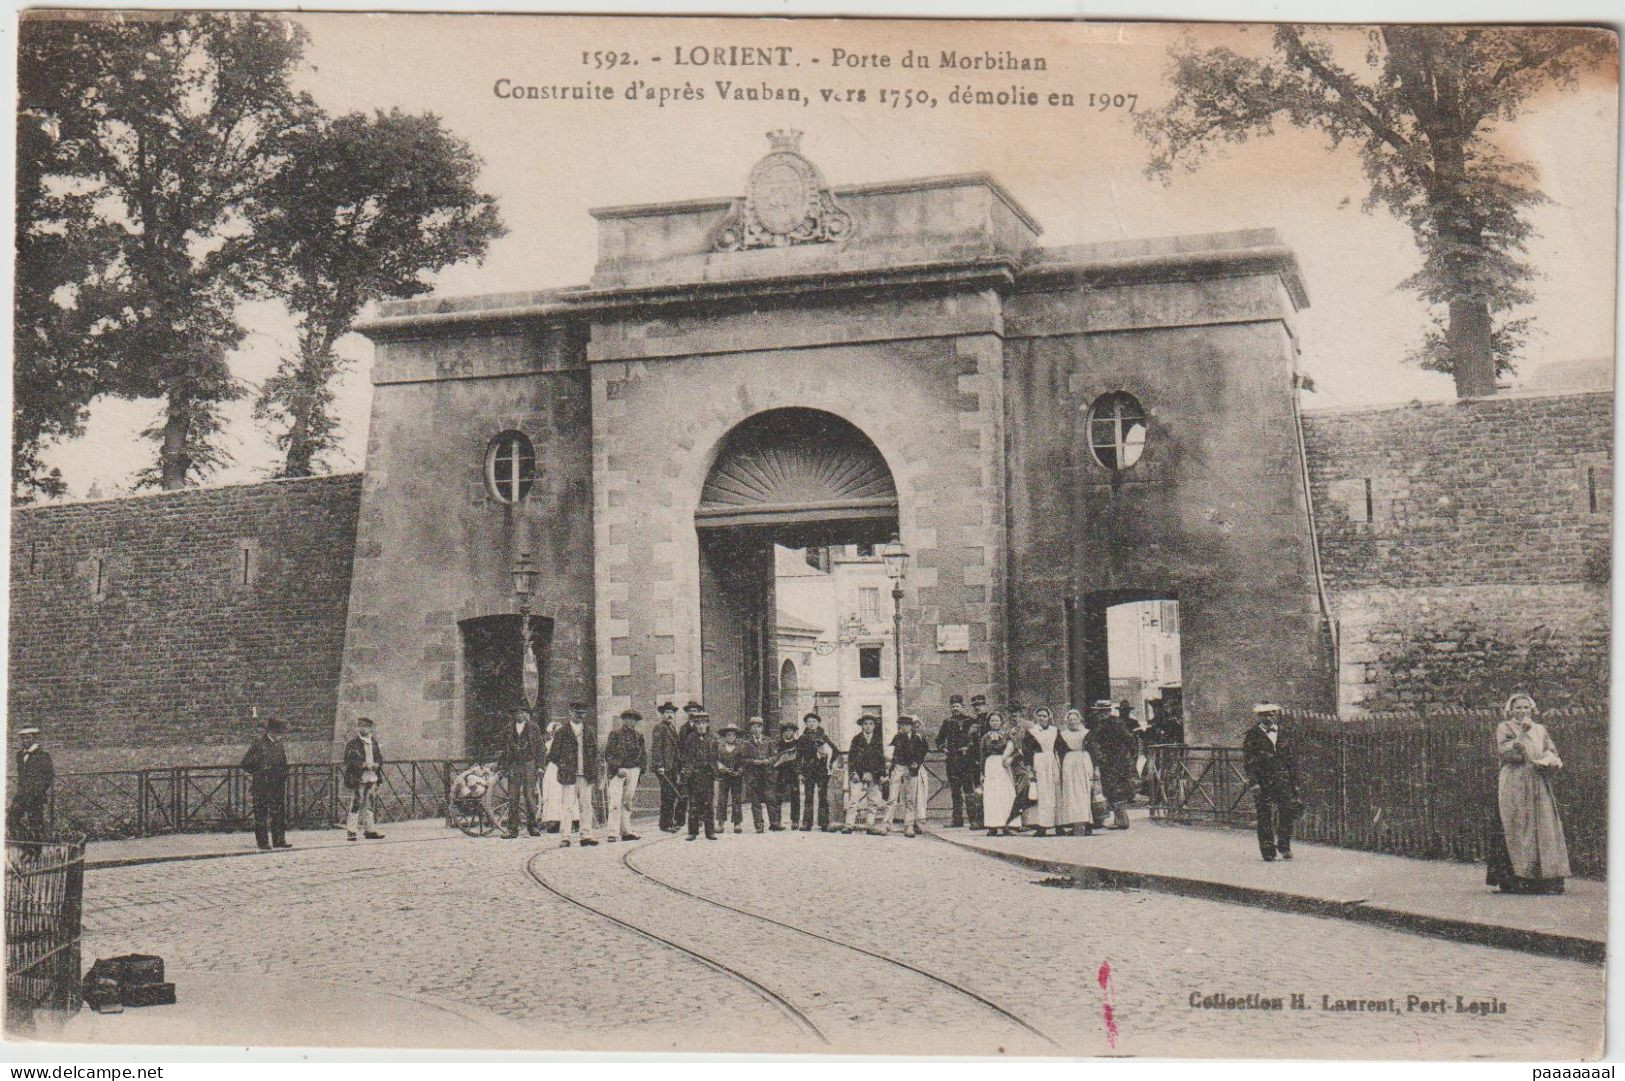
<point x="1078" y="171"/>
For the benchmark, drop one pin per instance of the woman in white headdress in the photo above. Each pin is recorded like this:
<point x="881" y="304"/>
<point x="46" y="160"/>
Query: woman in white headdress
<point x="1532" y="856"/>
<point x="1076" y="804"/>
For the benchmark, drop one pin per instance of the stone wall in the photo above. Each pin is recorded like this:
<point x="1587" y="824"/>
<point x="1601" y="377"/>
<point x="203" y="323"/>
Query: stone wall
<point x="1465" y="546"/>
<point x="144" y="631"/>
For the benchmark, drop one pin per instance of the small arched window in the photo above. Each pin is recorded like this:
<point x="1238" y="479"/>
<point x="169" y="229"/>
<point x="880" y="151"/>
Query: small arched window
<point x="1116" y="430"/>
<point x="510" y="467"/>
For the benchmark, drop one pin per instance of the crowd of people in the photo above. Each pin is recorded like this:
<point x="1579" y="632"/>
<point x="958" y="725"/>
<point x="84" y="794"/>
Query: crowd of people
<point x="1004" y="775"/>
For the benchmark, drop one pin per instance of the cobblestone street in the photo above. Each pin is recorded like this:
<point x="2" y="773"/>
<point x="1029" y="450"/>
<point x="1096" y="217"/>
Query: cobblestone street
<point x="792" y="942"/>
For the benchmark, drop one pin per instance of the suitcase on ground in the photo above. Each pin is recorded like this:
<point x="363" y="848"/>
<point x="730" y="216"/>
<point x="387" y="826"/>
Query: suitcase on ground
<point x="149" y="994"/>
<point x="140" y="968"/>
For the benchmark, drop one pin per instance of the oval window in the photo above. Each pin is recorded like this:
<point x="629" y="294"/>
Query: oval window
<point x="510" y="467"/>
<point x="1117" y="430"/>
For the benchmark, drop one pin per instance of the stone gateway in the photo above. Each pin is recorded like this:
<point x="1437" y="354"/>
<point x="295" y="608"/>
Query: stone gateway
<point x="1057" y="435"/>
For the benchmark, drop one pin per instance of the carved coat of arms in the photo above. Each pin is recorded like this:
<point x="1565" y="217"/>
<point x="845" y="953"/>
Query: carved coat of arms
<point x="786" y="202"/>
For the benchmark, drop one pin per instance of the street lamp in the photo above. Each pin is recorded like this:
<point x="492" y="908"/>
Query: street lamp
<point x="524" y="586"/>
<point x="896" y="558"/>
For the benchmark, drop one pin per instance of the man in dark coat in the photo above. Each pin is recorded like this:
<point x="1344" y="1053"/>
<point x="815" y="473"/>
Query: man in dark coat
<point x="730" y="777"/>
<point x="697" y="762"/>
<point x="786" y="776"/>
<point x="26" y="819"/>
<point x="363" y="769"/>
<point x="520" y="761"/>
<point x="663" y="760"/>
<point x="866" y="768"/>
<point x="575" y="755"/>
<point x="907" y="775"/>
<point x="963" y="765"/>
<point x="624" y="759"/>
<point x="1271" y="763"/>
<point x="758" y="754"/>
<point x="815" y="753"/>
<point x="267" y="765"/>
<point x="1115" y="760"/>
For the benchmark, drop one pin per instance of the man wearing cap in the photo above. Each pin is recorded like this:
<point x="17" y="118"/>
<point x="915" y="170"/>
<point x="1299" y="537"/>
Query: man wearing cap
<point x="954" y="740"/>
<point x="520" y="761"/>
<point x="267" y="764"/>
<point x="730" y="777"/>
<point x="866" y="768"/>
<point x="26" y="818"/>
<point x="757" y="754"/>
<point x="1115" y="760"/>
<point x="363" y="768"/>
<point x="663" y="760"/>
<point x="815" y="752"/>
<point x="575" y="754"/>
<point x="786" y="777"/>
<point x="624" y="758"/>
<point x="907" y="775"/>
<point x="1271" y="764"/>
<point x="698" y="766"/>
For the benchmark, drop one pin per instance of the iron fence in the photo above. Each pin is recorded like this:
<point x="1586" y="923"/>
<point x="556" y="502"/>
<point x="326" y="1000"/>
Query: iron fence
<point x="202" y="799"/>
<point x="1406" y="784"/>
<point x="45" y="882"/>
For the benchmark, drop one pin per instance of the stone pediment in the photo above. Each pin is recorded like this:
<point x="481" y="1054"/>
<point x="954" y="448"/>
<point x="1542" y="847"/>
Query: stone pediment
<point x="791" y="223"/>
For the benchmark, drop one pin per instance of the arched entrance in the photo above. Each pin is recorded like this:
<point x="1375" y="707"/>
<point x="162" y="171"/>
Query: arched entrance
<point x="801" y="478"/>
<point x="789" y="690"/>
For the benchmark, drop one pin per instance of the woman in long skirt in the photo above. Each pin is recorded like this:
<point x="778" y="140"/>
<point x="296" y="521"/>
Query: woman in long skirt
<point x="552" y="791"/>
<point x="998" y="792"/>
<point x="1039" y="742"/>
<point x="1019" y="760"/>
<point x="1075" y="806"/>
<point x="1534" y="855"/>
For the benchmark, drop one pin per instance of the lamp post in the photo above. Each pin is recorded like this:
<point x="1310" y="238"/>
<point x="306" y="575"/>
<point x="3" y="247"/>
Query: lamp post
<point x="524" y="586"/>
<point x="896" y="558"/>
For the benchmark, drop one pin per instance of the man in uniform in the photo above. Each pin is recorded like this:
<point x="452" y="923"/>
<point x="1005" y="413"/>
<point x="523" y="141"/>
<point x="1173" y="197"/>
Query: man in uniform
<point x="624" y="759"/>
<point x="520" y="760"/>
<point x="907" y="775"/>
<point x="962" y="761"/>
<point x="575" y="754"/>
<point x="758" y="754"/>
<point x="1271" y="763"/>
<point x="786" y="776"/>
<point x="866" y="768"/>
<point x="698" y="766"/>
<point x="730" y="777"/>
<point x="267" y="764"/>
<point x="663" y="760"/>
<point x="815" y="753"/>
<point x="26" y="818"/>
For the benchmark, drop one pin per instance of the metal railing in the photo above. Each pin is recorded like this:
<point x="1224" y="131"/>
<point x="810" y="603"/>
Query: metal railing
<point x="203" y="799"/>
<point x="45" y="882"/>
<point x="1408" y="784"/>
<point x="119" y="804"/>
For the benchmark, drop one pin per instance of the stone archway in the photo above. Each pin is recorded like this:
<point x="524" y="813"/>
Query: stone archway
<point x="795" y="477"/>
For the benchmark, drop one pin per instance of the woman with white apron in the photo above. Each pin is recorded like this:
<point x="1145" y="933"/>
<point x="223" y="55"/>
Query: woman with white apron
<point x="1046" y="764"/>
<point x="998" y="790"/>
<point x="1076" y="803"/>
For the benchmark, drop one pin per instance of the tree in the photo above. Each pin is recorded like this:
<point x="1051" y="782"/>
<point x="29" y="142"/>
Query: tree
<point x="1422" y="104"/>
<point x="362" y="210"/>
<point x="168" y="133"/>
<point x="61" y="255"/>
